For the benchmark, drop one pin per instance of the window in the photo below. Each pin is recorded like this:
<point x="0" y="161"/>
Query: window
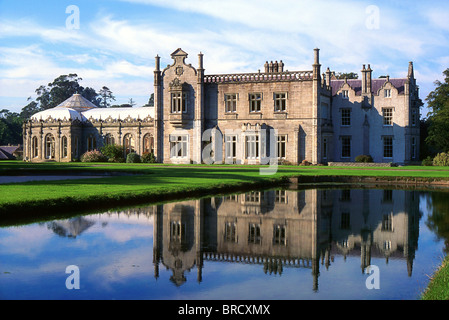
<point x="252" y="147"/>
<point x="231" y="146"/>
<point x="254" y="233"/>
<point x="345" y="221"/>
<point x="177" y="231"/>
<point x="324" y="110"/>
<point x="253" y="196"/>
<point x="387" y="93"/>
<point x="387" y="222"/>
<point x="178" y="146"/>
<point x="279" y="233"/>
<point x="128" y="144"/>
<point x="34" y="147"/>
<point x="346" y="146"/>
<point x="413" y="148"/>
<point x="280" y="102"/>
<point x="49" y="146"/>
<point x="345" y="94"/>
<point x="414" y="117"/>
<point x="91" y="143"/>
<point x="345" y="117"/>
<point x="109" y="139"/>
<point x="178" y="102"/>
<point x="230" y="234"/>
<point x="345" y="195"/>
<point x="148" y="143"/>
<point x="387" y="114"/>
<point x="387" y="196"/>
<point x="255" y="102"/>
<point x="324" y="150"/>
<point x="64" y="147"/>
<point x="231" y="102"/>
<point x="281" y="146"/>
<point x="76" y="145"/>
<point x="388" y="147"/>
<point x="280" y="196"/>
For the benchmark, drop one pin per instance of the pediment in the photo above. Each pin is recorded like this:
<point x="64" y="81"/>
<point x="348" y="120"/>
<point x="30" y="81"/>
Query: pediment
<point x="179" y="53"/>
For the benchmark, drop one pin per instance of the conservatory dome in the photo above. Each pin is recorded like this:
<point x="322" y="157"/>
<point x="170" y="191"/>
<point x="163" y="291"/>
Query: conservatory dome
<point x="57" y="114"/>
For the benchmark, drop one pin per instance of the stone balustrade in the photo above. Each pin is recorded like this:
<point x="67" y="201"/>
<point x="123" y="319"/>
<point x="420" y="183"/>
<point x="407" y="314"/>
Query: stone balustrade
<point x="256" y="77"/>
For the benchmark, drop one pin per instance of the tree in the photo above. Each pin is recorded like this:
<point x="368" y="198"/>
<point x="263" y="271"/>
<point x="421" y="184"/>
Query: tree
<point x="62" y="88"/>
<point x="438" y="116"/>
<point x="30" y="109"/>
<point x="106" y="96"/>
<point x="10" y="128"/>
<point x="349" y="75"/>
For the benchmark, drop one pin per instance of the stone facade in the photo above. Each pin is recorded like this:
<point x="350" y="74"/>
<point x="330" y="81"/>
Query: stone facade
<point x="292" y="116"/>
<point x="65" y="133"/>
<point x="248" y="118"/>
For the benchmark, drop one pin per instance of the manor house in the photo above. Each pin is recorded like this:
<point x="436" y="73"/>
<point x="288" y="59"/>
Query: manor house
<point x="242" y="118"/>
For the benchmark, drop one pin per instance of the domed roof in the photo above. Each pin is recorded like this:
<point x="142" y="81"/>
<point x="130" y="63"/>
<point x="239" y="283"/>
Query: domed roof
<point x="57" y="114"/>
<point x="77" y="102"/>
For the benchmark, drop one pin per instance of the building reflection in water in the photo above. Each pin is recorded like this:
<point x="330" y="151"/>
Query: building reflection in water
<point x="276" y="229"/>
<point x="280" y="229"/>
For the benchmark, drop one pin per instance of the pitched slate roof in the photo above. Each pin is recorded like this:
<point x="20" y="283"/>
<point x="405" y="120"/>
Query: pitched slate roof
<point x="376" y="84"/>
<point x="6" y="152"/>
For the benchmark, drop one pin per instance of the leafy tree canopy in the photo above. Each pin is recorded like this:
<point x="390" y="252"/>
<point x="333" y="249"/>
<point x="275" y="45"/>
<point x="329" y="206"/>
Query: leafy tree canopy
<point x="438" y="116"/>
<point x="348" y="75"/>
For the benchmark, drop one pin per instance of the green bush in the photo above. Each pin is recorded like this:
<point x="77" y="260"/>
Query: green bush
<point x="441" y="159"/>
<point x="364" y="158"/>
<point x="148" y="158"/>
<point x="113" y="152"/>
<point x="427" y="161"/>
<point x="132" y="158"/>
<point x="93" y="156"/>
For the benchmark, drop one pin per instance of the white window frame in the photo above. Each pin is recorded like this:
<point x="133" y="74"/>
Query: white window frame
<point x="231" y="102"/>
<point x="179" y="146"/>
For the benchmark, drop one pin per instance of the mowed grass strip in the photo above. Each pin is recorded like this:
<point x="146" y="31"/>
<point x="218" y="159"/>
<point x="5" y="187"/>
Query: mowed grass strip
<point x="154" y="179"/>
<point x="438" y="288"/>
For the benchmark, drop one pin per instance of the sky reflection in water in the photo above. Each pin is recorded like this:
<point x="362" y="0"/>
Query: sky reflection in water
<point x="277" y="244"/>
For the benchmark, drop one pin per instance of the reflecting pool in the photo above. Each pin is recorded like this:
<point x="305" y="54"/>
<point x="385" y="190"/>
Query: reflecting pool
<point x="272" y="244"/>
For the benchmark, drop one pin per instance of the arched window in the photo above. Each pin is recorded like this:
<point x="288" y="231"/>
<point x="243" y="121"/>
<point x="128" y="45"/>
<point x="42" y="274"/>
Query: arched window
<point x="76" y="146"/>
<point x="128" y="143"/>
<point x="91" y="143"/>
<point x="34" y="147"/>
<point x="148" y="143"/>
<point x="109" y="139"/>
<point x="49" y="146"/>
<point x="64" y="147"/>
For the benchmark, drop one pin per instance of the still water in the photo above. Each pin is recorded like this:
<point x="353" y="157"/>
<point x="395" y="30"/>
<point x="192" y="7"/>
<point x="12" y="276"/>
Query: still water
<point x="275" y="244"/>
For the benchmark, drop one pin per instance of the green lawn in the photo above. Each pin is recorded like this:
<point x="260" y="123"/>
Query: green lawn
<point x="157" y="179"/>
<point x="438" y="288"/>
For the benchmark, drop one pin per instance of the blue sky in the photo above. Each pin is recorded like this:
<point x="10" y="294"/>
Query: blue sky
<point x="117" y="40"/>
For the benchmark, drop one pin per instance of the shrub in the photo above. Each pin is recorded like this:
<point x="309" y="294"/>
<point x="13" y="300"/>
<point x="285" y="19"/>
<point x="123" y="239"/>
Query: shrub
<point x="364" y="158"/>
<point x="427" y="161"/>
<point x="93" y="156"/>
<point x="132" y="158"/>
<point x="148" y="157"/>
<point x="113" y="152"/>
<point x="441" y="159"/>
